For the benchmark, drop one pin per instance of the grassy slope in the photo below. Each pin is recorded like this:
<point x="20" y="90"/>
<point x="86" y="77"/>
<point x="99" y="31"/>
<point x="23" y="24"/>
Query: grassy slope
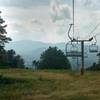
<point x="48" y="85"/>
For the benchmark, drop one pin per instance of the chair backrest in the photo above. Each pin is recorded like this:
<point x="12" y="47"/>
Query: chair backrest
<point x="72" y="50"/>
<point x="93" y="48"/>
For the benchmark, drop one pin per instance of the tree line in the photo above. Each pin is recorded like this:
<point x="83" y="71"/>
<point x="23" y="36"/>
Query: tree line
<point x="9" y="59"/>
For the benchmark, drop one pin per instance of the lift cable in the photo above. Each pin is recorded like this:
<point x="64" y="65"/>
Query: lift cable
<point x="96" y="35"/>
<point x="89" y="35"/>
<point x="73" y="18"/>
<point x="94" y="29"/>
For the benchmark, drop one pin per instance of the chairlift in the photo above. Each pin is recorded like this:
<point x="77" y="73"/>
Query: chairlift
<point x="72" y="50"/>
<point x="93" y="48"/>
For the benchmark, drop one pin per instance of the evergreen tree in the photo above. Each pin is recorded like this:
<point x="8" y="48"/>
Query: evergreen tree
<point x="8" y="58"/>
<point x="94" y="67"/>
<point x="3" y="38"/>
<point x="3" y="57"/>
<point x="11" y="56"/>
<point x="18" y="62"/>
<point x="53" y="58"/>
<point x="35" y="63"/>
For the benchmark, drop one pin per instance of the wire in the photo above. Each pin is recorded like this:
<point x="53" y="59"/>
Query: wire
<point x="93" y="30"/>
<point x="71" y="25"/>
<point x="73" y="19"/>
<point x="96" y="35"/>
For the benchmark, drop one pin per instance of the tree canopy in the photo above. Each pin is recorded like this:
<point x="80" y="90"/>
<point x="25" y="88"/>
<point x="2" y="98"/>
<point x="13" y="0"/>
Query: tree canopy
<point x="53" y="58"/>
<point x="94" y="67"/>
<point x="3" y="38"/>
<point x="9" y="59"/>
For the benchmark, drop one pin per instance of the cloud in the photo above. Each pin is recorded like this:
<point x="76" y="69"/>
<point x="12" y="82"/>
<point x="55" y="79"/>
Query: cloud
<point x="23" y="3"/>
<point x="89" y="4"/>
<point x="36" y="21"/>
<point x="59" y="11"/>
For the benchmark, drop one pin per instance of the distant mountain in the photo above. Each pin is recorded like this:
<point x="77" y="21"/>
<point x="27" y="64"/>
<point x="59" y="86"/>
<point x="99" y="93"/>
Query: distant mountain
<point x="31" y="50"/>
<point x="24" y="46"/>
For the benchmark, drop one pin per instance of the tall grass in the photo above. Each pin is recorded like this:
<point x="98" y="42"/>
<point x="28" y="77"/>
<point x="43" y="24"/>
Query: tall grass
<point x="18" y="84"/>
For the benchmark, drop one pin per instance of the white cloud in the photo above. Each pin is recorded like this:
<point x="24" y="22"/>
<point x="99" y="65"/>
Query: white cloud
<point x="89" y="4"/>
<point x="35" y="22"/>
<point x="23" y="3"/>
<point x="59" y="11"/>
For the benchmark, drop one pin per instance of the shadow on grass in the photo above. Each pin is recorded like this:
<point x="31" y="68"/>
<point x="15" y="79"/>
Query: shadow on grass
<point x="9" y="80"/>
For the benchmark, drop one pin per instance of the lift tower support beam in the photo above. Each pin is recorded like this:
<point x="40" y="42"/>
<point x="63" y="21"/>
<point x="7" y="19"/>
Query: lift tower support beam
<point x="82" y="52"/>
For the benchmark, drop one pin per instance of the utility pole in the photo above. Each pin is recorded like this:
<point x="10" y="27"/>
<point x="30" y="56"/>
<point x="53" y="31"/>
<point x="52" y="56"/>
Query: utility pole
<point x="82" y="51"/>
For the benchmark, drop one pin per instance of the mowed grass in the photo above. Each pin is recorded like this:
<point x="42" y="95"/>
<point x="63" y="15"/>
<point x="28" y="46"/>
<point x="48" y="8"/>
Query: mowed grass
<point x="19" y="84"/>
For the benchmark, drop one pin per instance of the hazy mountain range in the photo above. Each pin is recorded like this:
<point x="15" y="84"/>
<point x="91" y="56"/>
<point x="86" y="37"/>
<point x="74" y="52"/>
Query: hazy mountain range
<point x="31" y="50"/>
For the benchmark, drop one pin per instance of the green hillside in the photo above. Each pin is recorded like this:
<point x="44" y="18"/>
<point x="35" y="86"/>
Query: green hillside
<point x="17" y="84"/>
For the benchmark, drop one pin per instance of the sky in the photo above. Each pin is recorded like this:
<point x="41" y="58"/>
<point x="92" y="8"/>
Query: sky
<point x="48" y="20"/>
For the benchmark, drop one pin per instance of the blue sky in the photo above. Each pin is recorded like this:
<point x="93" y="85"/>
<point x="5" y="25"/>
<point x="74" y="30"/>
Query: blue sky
<point x="48" y="20"/>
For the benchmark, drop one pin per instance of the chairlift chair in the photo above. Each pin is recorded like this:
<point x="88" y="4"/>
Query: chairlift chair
<point x="72" y="50"/>
<point x="93" y="48"/>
